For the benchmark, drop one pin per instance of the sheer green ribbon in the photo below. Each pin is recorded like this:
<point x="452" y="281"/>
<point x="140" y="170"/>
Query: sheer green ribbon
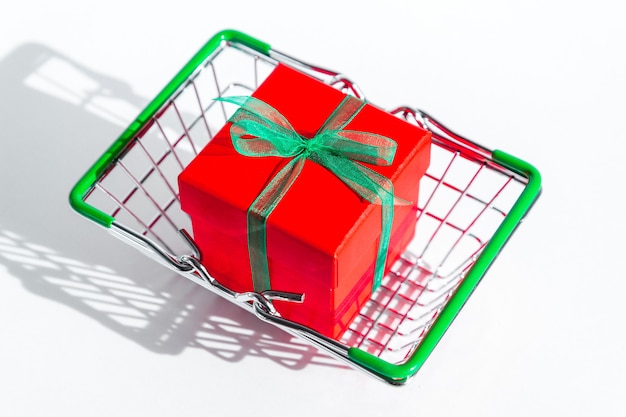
<point x="259" y="130"/>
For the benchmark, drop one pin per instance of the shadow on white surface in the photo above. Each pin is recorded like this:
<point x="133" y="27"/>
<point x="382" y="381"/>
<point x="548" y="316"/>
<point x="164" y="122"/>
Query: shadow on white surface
<point x="57" y="117"/>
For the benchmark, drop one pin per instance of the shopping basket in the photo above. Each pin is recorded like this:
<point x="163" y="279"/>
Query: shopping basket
<point x="471" y="200"/>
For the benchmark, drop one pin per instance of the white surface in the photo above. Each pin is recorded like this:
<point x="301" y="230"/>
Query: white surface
<point x="543" y="333"/>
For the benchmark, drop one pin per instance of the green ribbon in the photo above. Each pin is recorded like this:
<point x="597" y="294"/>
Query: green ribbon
<point x="259" y="130"/>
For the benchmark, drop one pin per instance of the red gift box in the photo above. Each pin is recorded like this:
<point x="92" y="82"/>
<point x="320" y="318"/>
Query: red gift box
<point x="322" y="237"/>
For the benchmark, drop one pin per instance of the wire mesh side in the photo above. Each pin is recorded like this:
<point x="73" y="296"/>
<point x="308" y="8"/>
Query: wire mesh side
<point x="140" y="190"/>
<point x="463" y="199"/>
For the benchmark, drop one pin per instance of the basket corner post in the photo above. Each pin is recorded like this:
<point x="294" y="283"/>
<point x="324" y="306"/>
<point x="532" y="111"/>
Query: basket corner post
<point x="528" y="170"/>
<point x="393" y="374"/>
<point x="233" y="35"/>
<point x="77" y="202"/>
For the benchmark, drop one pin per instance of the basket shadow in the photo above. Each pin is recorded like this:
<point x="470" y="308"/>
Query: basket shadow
<point x="52" y="129"/>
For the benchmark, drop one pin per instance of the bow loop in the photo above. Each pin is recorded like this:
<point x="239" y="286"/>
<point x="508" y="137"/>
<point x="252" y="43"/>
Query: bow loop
<point x="260" y="130"/>
<point x="359" y="146"/>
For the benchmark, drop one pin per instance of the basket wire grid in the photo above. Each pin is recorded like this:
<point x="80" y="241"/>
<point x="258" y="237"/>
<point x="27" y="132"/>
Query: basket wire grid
<point x="465" y="197"/>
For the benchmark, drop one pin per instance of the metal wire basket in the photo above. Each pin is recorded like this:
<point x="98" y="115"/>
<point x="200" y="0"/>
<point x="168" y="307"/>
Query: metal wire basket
<point x="471" y="200"/>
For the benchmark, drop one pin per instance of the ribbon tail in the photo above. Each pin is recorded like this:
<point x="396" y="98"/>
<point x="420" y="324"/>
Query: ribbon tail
<point x="373" y="187"/>
<point x="377" y="189"/>
<point x="385" y="236"/>
<point x="257" y="216"/>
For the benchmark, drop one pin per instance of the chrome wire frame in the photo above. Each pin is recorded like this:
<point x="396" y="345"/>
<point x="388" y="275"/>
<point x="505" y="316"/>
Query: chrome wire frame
<point x="260" y="304"/>
<point x="394" y="321"/>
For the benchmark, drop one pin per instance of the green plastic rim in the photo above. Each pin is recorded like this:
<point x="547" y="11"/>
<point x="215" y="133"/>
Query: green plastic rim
<point x="396" y="374"/>
<point x="91" y="177"/>
<point x="400" y="373"/>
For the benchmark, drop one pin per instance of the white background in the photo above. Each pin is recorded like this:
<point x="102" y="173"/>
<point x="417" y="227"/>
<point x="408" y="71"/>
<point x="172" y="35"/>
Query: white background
<point x="542" y="334"/>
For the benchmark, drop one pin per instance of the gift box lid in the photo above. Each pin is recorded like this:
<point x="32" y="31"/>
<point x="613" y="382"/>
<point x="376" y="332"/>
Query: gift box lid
<point x="319" y="210"/>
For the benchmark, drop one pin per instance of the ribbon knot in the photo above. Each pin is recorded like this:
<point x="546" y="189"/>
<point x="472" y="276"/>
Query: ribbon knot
<point x="259" y="130"/>
<point x="309" y="146"/>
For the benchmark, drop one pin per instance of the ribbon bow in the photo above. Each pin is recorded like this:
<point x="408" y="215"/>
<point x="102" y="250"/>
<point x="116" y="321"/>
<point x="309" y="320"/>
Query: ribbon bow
<point x="259" y="130"/>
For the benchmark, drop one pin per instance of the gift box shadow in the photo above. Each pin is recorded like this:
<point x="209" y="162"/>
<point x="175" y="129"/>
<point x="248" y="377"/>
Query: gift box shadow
<point x="52" y="129"/>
